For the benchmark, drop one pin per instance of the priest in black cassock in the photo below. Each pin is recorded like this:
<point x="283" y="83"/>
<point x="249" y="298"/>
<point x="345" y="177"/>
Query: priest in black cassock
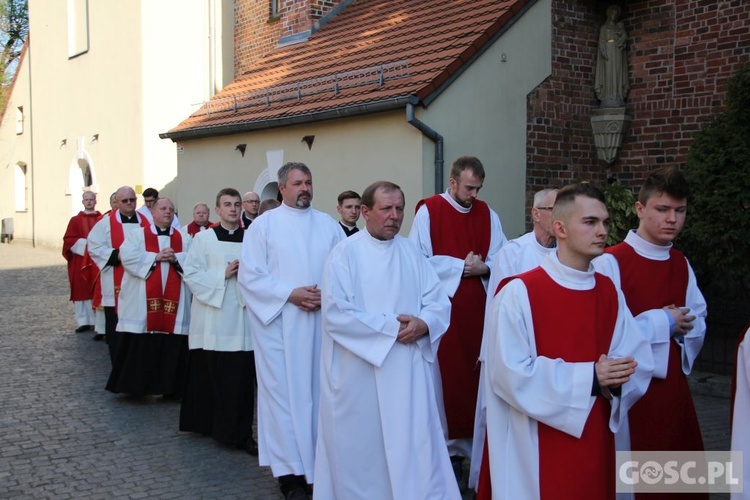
<point x="220" y="392"/>
<point x="154" y="309"/>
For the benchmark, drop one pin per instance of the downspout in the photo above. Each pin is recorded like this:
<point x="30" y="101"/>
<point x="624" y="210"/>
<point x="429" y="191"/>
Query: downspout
<point x="434" y="137"/>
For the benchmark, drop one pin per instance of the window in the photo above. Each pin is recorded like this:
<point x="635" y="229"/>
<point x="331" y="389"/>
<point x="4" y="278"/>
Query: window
<point x="19" y="120"/>
<point x="78" y="27"/>
<point x="275" y="7"/>
<point x="20" y="186"/>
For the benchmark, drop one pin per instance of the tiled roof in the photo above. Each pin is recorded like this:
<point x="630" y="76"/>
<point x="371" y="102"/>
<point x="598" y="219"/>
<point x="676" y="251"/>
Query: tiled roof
<point x="371" y="56"/>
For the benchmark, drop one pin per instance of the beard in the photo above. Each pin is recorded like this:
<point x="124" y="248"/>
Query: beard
<point x="300" y="203"/>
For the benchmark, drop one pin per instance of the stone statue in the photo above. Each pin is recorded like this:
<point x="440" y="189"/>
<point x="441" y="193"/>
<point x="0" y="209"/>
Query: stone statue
<point x="611" y="81"/>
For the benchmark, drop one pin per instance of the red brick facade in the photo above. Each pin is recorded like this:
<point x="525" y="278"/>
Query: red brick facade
<point x="256" y="32"/>
<point x="680" y="54"/>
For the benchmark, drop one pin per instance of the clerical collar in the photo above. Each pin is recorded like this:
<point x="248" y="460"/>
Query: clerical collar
<point x="566" y="276"/>
<point x="454" y="204"/>
<point x="133" y="219"/>
<point x="224" y="234"/>
<point x="647" y="249"/>
<point x="162" y="232"/>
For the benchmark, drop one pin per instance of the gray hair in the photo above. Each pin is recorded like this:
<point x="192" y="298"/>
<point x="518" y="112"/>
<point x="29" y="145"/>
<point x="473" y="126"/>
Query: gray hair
<point x="539" y="196"/>
<point x="288" y="167"/>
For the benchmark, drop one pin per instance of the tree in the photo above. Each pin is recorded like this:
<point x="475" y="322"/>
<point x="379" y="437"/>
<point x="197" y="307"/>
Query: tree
<point x="14" y="28"/>
<point x="718" y="221"/>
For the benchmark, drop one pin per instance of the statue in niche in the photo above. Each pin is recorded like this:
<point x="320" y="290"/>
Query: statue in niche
<point x="611" y="81"/>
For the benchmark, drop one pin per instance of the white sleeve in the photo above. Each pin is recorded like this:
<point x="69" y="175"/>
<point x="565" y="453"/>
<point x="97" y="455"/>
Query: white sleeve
<point x="692" y="342"/>
<point x="264" y="294"/>
<point x="653" y="324"/>
<point x="79" y="247"/>
<point x="497" y="242"/>
<point x="628" y="341"/>
<point x="206" y="283"/>
<point x="368" y="335"/>
<point x="100" y="243"/>
<point x="551" y="391"/>
<point x="449" y="269"/>
<point x="134" y="257"/>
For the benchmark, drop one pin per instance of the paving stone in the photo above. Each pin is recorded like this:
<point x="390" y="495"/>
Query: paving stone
<point x="63" y="436"/>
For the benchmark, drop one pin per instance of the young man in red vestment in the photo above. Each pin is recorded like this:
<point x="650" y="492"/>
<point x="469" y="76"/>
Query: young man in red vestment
<point x="460" y="235"/>
<point x="661" y="291"/>
<point x="74" y="248"/>
<point x="564" y="362"/>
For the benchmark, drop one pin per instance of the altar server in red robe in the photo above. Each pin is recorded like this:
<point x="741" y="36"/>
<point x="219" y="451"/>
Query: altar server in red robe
<point x="460" y="235"/>
<point x="662" y="293"/>
<point x="565" y="360"/>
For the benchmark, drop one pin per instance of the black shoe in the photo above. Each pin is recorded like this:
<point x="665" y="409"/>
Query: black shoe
<point x="98" y="336"/>
<point x="294" y="487"/>
<point x="458" y="469"/>
<point x="298" y="493"/>
<point x="82" y="329"/>
<point x="251" y="447"/>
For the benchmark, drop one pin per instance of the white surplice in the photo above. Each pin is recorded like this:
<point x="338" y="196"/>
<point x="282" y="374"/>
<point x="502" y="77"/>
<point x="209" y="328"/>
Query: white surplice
<point x="217" y="316"/>
<point x="380" y="433"/>
<point x="139" y="264"/>
<point x="515" y="257"/>
<point x="654" y="324"/>
<point x="741" y="415"/>
<point x="283" y="249"/>
<point x="517" y="379"/>
<point x="450" y="269"/>
<point x="100" y="248"/>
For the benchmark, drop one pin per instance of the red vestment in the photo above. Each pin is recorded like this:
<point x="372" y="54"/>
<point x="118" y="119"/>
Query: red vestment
<point x="456" y="234"/>
<point x="664" y="418"/>
<point x="78" y="227"/>
<point x="193" y="228"/>
<point x="575" y="326"/>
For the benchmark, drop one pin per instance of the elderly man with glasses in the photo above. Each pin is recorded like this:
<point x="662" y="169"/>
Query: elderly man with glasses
<point x="250" y="207"/>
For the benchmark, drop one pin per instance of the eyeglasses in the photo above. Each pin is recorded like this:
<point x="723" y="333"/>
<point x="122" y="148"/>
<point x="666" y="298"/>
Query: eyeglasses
<point x="544" y="208"/>
<point x="251" y="201"/>
<point x="128" y="200"/>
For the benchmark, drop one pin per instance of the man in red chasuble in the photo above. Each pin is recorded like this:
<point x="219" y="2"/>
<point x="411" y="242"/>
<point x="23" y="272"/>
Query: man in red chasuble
<point x="74" y="248"/>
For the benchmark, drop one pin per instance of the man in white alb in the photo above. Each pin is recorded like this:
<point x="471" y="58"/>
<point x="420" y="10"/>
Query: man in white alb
<point x="281" y="267"/>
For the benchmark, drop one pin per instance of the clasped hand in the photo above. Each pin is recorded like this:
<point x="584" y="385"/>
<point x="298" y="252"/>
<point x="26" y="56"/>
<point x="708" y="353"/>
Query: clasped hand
<point x="474" y="265"/>
<point x="306" y="298"/>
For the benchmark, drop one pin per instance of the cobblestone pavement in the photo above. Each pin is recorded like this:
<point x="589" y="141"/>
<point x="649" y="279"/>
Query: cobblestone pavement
<point x="63" y="436"/>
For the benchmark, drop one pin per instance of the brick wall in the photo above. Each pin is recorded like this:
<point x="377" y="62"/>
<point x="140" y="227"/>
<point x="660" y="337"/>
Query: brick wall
<point x="680" y="55"/>
<point x="256" y="33"/>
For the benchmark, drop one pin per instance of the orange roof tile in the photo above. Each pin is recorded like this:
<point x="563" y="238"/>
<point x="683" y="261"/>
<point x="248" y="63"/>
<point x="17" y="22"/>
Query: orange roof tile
<point x="372" y="56"/>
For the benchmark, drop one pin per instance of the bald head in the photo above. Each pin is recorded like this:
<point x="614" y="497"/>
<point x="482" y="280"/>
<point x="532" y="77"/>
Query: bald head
<point x="251" y="204"/>
<point x="163" y="213"/>
<point x="125" y="197"/>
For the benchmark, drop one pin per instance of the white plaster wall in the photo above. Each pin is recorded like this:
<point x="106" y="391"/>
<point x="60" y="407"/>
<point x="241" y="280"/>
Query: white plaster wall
<point x="346" y="154"/>
<point x="483" y="113"/>
<point x="16" y="148"/>
<point x="176" y="74"/>
<point x="97" y="92"/>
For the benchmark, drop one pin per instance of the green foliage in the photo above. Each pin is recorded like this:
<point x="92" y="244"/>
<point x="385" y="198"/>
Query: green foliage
<point x="14" y="28"/>
<point x="621" y="207"/>
<point x="717" y="231"/>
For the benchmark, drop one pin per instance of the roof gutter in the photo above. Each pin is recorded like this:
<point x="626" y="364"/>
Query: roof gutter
<point x="285" y="121"/>
<point x="434" y="137"/>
